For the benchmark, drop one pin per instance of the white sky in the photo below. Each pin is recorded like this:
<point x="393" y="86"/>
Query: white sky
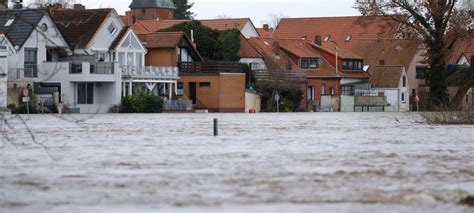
<point x="257" y="10"/>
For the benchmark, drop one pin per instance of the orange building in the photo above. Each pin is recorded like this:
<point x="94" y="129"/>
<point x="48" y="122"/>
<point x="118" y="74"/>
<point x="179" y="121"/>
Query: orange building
<point x="213" y="86"/>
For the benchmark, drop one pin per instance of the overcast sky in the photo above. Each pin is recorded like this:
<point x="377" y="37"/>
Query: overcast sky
<point x="257" y="10"/>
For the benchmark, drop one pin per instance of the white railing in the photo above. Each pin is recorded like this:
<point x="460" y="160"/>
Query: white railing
<point x="150" y="72"/>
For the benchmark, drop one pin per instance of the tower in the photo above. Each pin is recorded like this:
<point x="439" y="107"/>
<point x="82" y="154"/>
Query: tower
<point x="152" y="9"/>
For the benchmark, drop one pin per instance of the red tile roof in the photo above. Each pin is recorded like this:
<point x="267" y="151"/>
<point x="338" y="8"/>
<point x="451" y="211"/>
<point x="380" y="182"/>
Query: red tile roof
<point x="289" y="49"/>
<point x="338" y="28"/>
<point x="147" y="26"/>
<point x="265" y="33"/>
<point x="79" y="26"/>
<point x="247" y="50"/>
<point x="464" y="47"/>
<point x="386" y="76"/>
<point x="163" y="39"/>
<point x="357" y="37"/>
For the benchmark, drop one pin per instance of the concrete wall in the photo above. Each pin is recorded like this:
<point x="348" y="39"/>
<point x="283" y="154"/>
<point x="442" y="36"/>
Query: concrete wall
<point x="232" y="92"/>
<point x="347" y="103"/>
<point x="225" y="94"/>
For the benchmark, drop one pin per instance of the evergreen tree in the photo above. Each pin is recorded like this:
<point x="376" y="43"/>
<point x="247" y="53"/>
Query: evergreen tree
<point x="183" y="9"/>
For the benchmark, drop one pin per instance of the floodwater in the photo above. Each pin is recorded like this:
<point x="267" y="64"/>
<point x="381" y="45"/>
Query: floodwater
<point x="308" y="162"/>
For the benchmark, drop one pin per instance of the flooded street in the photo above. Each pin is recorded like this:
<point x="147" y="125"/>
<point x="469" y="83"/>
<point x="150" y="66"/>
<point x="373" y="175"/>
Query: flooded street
<point x="320" y="162"/>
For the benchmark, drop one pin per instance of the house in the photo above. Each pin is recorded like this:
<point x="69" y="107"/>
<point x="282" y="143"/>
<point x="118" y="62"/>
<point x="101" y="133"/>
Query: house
<point x="392" y="82"/>
<point x="6" y="49"/>
<point x="377" y="40"/>
<point x="35" y="54"/>
<point x="460" y="58"/>
<point x="210" y="85"/>
<point x="250" y="56"/>
<point x="301" y="63"/>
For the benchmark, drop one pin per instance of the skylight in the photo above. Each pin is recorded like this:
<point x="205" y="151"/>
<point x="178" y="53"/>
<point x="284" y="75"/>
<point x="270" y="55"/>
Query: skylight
<point x="348" y="38"/>
<point x="327" y="38"/>
<point x="9" y="22"/>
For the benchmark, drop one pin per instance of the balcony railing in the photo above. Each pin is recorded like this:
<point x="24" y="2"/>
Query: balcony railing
<point x="102" y="68"/>
<point x="20" y="73"/>
<point x="150" y="72"/>
<point x="210" y="67"/>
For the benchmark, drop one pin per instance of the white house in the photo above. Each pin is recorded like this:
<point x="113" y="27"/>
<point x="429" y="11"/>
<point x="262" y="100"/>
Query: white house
<point x="393" y="83"/>
<point x="6" y="49"/>
<point x="37" y="49"/>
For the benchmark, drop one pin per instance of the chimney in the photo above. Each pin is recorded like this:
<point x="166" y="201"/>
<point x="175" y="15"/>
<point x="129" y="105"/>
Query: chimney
<point x="79" y="7"/>
<point x="266" y="27"/>
<point x="276" y="48"/>
<point x="18" y="5"/>
<point x="128" y="18"/>
<point x="318" y="40"/>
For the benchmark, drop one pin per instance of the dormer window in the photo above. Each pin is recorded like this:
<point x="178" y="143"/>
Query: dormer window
<point x="348" y="38"/>
<point x="309" y="63"/>
<point x="9" y="22"/>
<point x="352" y="64"/>
<point x="112" y="28"/>
<point x="327" y="38"/>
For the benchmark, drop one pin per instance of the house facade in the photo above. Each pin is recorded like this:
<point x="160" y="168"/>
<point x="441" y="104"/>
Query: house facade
<point x="364" y="42"/>
<point x="392" y="81"/>
<point x="212" y="86"/>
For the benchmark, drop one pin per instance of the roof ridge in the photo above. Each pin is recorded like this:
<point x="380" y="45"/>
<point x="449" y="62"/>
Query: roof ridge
<point x="332" y="17"/>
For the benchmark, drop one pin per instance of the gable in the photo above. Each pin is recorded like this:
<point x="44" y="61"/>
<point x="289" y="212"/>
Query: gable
<point x="79" y="27"/>
<point x="19" y="24"/>
<point x="129" y="41"/>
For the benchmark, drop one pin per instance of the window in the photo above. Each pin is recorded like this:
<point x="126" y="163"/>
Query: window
<point x="85" y="93"/>
<point x="121" y="59"/>
<point x="254" y="66"/>
<point x="139" y="59"/>
<point x="130" y="59"/>
<point x="348" y="38"/>
<point x="310" y="93"/>
<point x="309" y="63"/>
<point x="331" y="91"/>
<point x="421" y="72"/>
<point x="44" y="27"/>
<point x="348" y="90"/>
<point x="31" y="61"/>
<point x="76" y="68"/>
<point x="403" y="97"/>
<point x="352" y="65"/>
<point x="289" y="65"/>
<point x="112" y="28"/>
<point x="323" y="89"/>
<point x="327" y="38"/>
<point x="180" y="90"/>
<point x="204" y="84"/>
<point x="404" y="81"/>
<point x="9" y="22"/>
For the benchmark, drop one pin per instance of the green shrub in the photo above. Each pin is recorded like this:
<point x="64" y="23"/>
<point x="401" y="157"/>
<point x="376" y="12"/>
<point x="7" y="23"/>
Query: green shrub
<point x="142" y="103"/>
<point x="22" y="109"/>
<point x="290" y="96"/>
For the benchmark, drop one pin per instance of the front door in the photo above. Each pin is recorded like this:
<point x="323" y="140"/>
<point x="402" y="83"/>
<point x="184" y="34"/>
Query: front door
<point x="192" y="91"/>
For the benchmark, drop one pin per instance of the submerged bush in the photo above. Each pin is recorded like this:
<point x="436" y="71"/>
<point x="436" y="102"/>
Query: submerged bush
<point x="142" y="102"/>
<point x="23" y="109"/>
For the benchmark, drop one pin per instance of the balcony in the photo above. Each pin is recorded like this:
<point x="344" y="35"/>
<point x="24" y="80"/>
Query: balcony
<point x="27" y="73"/>
<point x="210" y="67"/>
<point x="162" y="73"/>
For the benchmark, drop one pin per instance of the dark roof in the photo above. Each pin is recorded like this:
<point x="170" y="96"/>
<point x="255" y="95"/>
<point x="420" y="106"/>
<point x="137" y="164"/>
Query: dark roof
<point x="24" y="22"/>
<point x="386" y="76"/>
<point x="152" y="3"/>
<point x="80" y="26"/>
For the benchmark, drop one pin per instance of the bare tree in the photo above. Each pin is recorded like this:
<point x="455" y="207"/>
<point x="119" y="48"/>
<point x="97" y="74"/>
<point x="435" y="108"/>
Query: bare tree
<point x="438" y="24"/>
<point x="273" y="18"/>
<point x="224" y="16"/>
